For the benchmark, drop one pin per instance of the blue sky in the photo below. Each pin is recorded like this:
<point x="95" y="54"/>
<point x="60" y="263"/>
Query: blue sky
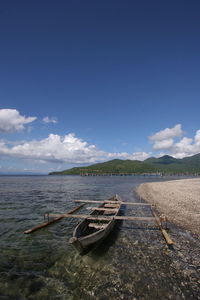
<point x="88" y="81"/>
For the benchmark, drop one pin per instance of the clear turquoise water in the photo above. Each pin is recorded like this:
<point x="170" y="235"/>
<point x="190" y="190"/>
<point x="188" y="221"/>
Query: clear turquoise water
<point x="132" y="263"/>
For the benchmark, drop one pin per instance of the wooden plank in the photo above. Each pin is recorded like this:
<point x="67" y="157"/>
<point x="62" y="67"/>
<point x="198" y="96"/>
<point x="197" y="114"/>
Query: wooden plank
<point x="89" y="201"/>
<point x="107" y="218"/>
<point x="109" y="205"/>
<point x="103" y="209"/>
<point x="164" y="232"/>
<point x="131" y="218"/>
<point x="58" y="218"/>
<point x="97" y="226"/>
<point x="112" y="202"/>
<point x="136" y="203"/>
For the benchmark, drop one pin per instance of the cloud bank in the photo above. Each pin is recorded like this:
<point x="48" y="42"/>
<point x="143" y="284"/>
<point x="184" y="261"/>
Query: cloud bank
<point x="68" y="149"/>
<point x="11" y="120"/>
<point x="166" y="140"/>
<point x="73" y="150"/>
<point x="54" y="148"/>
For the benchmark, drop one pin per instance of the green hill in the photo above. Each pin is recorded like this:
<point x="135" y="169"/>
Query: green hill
<point x="115" y="166"/>
<point x="169" y="164"/>
<point x="165" y="164"/>
<point x="164" y="160"/>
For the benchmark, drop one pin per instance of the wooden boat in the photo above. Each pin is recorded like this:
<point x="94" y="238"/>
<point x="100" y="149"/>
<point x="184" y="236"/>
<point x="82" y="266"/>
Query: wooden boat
<point x="96" y="226"/>
<point x="89" y="232"/>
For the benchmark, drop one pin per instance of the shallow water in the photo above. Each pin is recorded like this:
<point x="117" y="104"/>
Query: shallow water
<point x="133" y="262"/>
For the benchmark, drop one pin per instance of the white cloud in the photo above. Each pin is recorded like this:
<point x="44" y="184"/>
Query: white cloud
<point x="167" y="133"/>
<point x="165" y="140"/>
<point x="54" y="149"/>
<point x="73" y="150"/>
<point x="67" y="149"/>
<point x="125" y="155"/>
<point x="164" y="144"/>
<point x="11" y="120"/>
<point x="197" y="138"/>
<point x="185" y="147"/>
<point x="138" y="155"/>
<point x="49" y="120"/>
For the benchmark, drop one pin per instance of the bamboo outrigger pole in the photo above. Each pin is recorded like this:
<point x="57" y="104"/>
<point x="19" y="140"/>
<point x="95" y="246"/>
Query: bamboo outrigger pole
<point x="105" y="218"/>
<point x="164" y="232"/>
<point x="58" y="218"/>
<point x="127" y="218"/>
<point x="113" y="202"/>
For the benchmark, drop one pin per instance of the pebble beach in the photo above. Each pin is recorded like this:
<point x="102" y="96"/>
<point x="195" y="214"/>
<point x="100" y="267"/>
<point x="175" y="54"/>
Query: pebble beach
<point x="179" y="200"/>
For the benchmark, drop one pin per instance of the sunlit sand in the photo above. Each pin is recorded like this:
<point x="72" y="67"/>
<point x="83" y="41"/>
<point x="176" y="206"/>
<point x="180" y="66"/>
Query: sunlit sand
<point x="178" y="199"/>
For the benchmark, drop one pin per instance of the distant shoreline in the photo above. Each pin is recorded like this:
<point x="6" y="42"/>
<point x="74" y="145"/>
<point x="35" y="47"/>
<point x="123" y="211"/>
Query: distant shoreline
<point x="179" y="200"/>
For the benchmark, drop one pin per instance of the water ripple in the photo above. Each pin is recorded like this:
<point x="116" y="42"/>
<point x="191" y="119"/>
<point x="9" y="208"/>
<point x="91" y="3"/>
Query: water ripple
<point x="132" y="263"/>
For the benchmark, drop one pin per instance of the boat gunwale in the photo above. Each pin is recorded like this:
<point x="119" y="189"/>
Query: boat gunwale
<point x="82" y="238"/>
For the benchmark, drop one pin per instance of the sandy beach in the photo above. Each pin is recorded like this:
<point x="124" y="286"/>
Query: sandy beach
<point x="179" y="200"/>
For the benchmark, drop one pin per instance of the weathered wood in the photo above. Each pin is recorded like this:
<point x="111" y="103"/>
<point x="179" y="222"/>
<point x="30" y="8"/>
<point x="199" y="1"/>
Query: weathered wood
<point x="155" y="216"/>
<point x="113" y="202"/>
<point x="90" y="201"/>
<point x="42" y="225"/>
<point x="97" y="226"/>
<point x="131" y="218"/>
<point x="107" y="218"/>
<point x="136" y="203"/>
<point x="109" y="205"/>
<point x="167" y="237"/>
<point x="82" y="240"/>
<point x="164" y="232"/>
<point x="58" y="218"/>
<point x="103" y="209"/>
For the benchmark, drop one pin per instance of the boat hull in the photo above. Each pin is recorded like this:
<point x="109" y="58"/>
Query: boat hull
<point x="81" y="243"/>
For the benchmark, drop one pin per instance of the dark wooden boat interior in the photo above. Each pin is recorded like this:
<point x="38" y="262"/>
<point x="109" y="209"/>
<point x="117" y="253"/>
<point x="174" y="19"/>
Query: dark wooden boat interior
<point x="88" y="227"/>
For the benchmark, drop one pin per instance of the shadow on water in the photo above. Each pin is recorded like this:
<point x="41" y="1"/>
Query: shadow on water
<point x="102" y="247"/>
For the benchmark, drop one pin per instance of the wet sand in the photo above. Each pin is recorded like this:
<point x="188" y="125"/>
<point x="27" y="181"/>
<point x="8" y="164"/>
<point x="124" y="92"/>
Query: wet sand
<point x="179" y="200"/>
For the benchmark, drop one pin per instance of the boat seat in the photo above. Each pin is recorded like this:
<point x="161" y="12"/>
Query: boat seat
<point x="109" y="213"/>
<point x="97" y="226"/>
<point x="111" y="205"/>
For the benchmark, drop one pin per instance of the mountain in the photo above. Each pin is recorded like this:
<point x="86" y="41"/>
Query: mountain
<point x="165" y="164"/>
<point x="113" y="166"/>
<point x="169" y="164"/>
<point x="164" y="160"/>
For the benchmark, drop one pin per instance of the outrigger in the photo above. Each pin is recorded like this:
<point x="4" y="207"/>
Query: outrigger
<point x="100" y="222"/>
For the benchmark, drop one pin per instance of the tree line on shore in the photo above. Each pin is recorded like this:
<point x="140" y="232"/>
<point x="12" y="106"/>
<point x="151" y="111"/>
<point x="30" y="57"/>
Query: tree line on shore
<point x="164" y="165"/>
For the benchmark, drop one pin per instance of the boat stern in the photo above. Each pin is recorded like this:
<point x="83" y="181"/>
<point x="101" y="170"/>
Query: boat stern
<point x="76" y="243"/>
